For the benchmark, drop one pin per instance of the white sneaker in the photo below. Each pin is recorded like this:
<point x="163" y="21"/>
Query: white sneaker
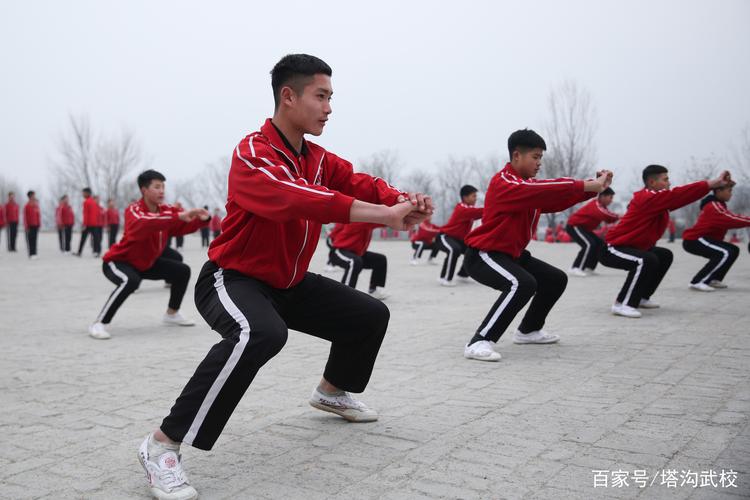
<point x="177" y="319"/>
<point x="432" y="262"/>
<point x="574" y="271"/>
<point x="329" y="269"/>
<point x="379" y="294"/>
<point x="482" y="351"/>
<point x="445" y="282"/>
<point x="536" y="337"/>
<point x="414" y="262"/>
<point x="625" y="310"/>
<point x="717" y="284"/>
<point x="702" y="287"/>
<point x="344" y="406"/>
<point x="464" y="279"/>
<point x="98" y="331"/>
<point x="590" y="272"/>
<point x="166" y="478"/>
<point x="648" y="304"/>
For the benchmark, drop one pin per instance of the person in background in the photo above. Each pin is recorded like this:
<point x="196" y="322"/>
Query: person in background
<point x="215" y="224"/>
<point x="205" y="232"/>
<point x="11" y="218"/>
<point x="113" y="222"/>
<point x="32" y="220"/>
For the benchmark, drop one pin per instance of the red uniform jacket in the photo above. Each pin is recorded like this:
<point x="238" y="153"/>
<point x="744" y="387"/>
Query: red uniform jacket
<point x="590" y="215"/>
<point x="512" y="207"/>
<point x="147" y="233"/>
<point x="648" y="215"/>
<point x="459" y="224"/>
<point x="90" y="212"/>
<point x="354" y="236"/>
<point x="277" y="202"/>
<point x="215" y="224"/>
<point x="11" y="211"/>
<point x="101" y="216"/>
<point x="113" y="216"/>
<point x="426" y="232"/>
<point x="32" y="217"/>
<point x="58" y="216"/>
<point x="67" y="216"/>
<point x="2" y="215"/>
<point x="714" y="222"/>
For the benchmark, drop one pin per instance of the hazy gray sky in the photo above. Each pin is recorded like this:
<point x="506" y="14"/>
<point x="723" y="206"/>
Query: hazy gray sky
<point x="670" y="79"/>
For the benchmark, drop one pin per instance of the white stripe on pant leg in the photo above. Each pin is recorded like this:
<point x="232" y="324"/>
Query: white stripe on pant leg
<point x="116" y="293"/>
<point x="349" y="269"/>
<point x="637" y="274"/>
<point x="588" y="247"/>
<point x="234" y="358"/>
<point x="449" y="257"/>
<point x="721" y="263"/>
<point x="514" y="286"/>
<point x="418" y="254"/>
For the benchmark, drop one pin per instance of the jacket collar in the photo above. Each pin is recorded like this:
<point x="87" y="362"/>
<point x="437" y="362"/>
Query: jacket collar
<point x="282" y="145"/>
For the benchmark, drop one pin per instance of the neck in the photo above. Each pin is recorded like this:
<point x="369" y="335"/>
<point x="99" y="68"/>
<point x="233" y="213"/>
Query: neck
<point x="292" y="133"/>
<point x="518" y="172"/>
<point x="152" y="207"/>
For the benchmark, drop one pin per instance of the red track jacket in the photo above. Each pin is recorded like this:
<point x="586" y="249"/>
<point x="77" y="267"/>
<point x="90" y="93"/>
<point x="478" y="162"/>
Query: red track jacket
<point x="277" y="202"/>
<point x="113" y="216"/>
<point x="426" y="232"/>
<point x="2" y="215"/>
<point x="714" y="221"/>
<point x="512" y="207"/>
<point x="354" y="236"/>
<point x="592" y="214"/>
<point x="90" y="212"/>
<point x="147" y="233"/>
<point x="11" y="212"/>
<point x="32" y="217"/>
<point x="648" y="215"/>
<point x="459" y="224"/>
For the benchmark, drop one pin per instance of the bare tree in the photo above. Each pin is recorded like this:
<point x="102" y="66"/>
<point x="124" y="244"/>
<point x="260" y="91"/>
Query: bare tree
<point x="695" y="170"/>
<point x="452" y="174"/>
<point x="209" y="187"/>
<point x="7" y="185"/>
<point x="418" y="181"/>
<point x="384" y="164"/>
<point x="570" y="132"/>
<point x="740" y="169"/>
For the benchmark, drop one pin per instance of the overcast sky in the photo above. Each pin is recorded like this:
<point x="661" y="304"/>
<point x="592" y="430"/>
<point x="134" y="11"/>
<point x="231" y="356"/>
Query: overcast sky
<point x="670" y="79"/>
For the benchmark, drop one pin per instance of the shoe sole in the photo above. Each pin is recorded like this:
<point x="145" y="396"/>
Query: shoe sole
<point x="176" y="324"/>
<point x="626" y="315"/>
<point x="477" y="358"/>
<point x="704" y="291"/>
<point x="522" y="342"/>
<point x="341" y="413"/>
<point x="97" y="337"/>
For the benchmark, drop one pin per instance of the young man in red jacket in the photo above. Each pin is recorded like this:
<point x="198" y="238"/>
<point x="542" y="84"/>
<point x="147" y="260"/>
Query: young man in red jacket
<point x="349" y="250"/>
<point x="497" y="255"/>
<point x="581" y="226"/>
<point x="64" y="218"/>
<point x="142" y="253"/>
<point x="631" y="244"/>
<point x="424" y="239"/>
<point x="706" y="239"/>
<point x="32" y="220"/>
<point x="90" y="221"/>
<point x="255" y="285"/>
<point x="112" y="216"/>
<point x="452" y="234"/>
<point x="2" y="218"/>
<point x="11" y="218"/>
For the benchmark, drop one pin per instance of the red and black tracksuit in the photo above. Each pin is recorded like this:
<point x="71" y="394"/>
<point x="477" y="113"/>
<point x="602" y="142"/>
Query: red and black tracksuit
<point x="451" y="238"/>
<point x="11" y="218"/>
<point x="32" y="220"/>
<point x="581" y="226"/>
<point x="497" y="255"/>
<point x="90" y="223"/>
<point x="349" y="250"/>
<point x="255" y="286"/>
<point x="631" y="244"/>
<point x="706" y="238"/>
<point x="424" y="239"/>
<point x="112" y="216"/>
<point x="64" y="219"/>
<point x="142" y="253"/>
<point x="2" y="217"/>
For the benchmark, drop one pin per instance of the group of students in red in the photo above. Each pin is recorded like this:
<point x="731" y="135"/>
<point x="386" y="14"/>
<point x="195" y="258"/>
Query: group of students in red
<point x="255" y="285"/>
<point x="95" y="219"/>
<point x="32" y="221"/>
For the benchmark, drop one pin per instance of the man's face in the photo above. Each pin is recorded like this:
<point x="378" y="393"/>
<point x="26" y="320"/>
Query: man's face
<point x="470" y="199"/>
<point x="65" y="200"/>
<point x="154" y="193"/>
<point x="658" y="182"/>
<point x="309" y="111"/>
<point x="724" y="194"/>
<point x="11" y="197"/>
<point x="606" y="200"/>
<point x="527" y="164"/>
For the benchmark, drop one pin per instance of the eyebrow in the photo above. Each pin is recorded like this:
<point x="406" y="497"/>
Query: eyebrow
<point x="325" y="91"/>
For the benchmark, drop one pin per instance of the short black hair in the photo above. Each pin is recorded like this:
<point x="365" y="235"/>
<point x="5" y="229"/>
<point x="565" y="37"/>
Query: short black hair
<point x="653" y="171"/>
<point x="205" y="207"/>
<point x="295" y="71"/>
<point x="708" y="199"/>
<point x="87" y="190"/>
<point x="144" y="180"/>
<point x="467" y="190"/>
<point x="607" y="192"/>
<point x="63" y="197"/>
<point x="30" y="194"/>
<point x="524" y="140"/>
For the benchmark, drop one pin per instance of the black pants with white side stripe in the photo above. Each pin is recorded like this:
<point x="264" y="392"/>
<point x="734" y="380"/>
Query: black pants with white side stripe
<point x="168" y="267"/>
<point x="645" y="270"/>
<point x="353" y="265"/>
<point x="421" y="246"/>
<point x="591" y="247"/>
<point x="113" y="229"/>
<point x="454" y="249"/>
<point x="12" y="233"/>
<point x="518" y="280"/>
<point x="720" y="254"/>
<point x="32" y="234"/>
<point x="253" y="318"/>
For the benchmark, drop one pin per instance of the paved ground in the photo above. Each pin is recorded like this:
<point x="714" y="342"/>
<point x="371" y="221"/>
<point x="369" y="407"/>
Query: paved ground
<point x="667" y="392"/>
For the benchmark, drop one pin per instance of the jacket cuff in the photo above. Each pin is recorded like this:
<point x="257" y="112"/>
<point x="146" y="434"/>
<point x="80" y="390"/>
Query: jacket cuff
<point x="341" y="207"/>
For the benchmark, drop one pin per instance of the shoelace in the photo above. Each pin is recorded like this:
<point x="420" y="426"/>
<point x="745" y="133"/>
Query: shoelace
<point x="348" y="400"/>
<point x="172" y="478"/>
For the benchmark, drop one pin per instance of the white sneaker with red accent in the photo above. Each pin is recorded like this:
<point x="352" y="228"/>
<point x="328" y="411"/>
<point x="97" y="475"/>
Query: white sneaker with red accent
<point x="166" y="478"/>
<point x="343" y="405"/>
<point x="481" y="350"/>
<point x="535" y="337"/>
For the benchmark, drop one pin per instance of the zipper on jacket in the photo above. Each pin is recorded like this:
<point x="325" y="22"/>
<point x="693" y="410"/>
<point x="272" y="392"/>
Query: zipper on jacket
<point x="296" y="262"/>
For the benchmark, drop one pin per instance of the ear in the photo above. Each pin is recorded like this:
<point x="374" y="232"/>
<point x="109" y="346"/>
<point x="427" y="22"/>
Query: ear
<point x="288" y="96"/>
